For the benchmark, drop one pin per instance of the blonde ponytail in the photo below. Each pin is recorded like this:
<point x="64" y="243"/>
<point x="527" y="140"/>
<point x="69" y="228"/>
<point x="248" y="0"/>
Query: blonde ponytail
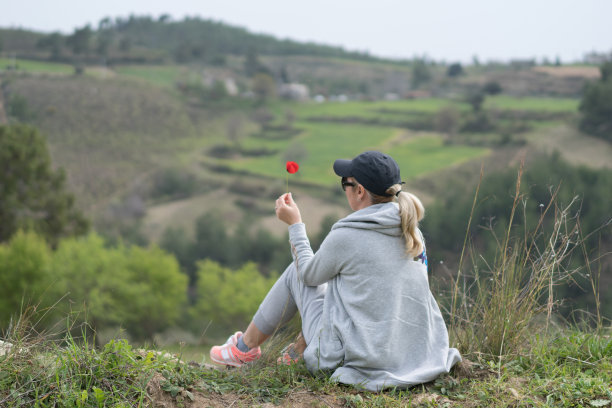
<point x="411" y="212"/>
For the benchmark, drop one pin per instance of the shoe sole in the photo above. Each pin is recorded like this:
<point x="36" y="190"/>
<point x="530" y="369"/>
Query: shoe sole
<point x="225" y="363"/>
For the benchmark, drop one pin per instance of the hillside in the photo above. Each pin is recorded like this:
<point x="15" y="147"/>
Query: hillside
<point x="147" y="39"/>
<point x="156" y="147"/>
<point x="115" y="134"/>
<point x="176" y="150"/>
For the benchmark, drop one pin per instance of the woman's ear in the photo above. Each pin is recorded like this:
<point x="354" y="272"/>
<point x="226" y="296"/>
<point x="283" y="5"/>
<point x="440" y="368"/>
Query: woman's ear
<point x="360" y="191"/>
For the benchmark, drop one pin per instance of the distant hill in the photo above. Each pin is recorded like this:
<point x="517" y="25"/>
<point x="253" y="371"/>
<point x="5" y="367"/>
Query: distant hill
<point x="146" y="39"/>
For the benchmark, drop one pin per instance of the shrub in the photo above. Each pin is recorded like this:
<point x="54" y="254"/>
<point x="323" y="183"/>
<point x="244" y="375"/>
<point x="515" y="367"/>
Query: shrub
<point x="492" y="88"/>
<point x="224" y="299"/>
<point x="454" y="70"/>
<point x="140" y="289"/>
<point x="24" y="274"/>
<point x="596" y="106"/>
<point x="493" y="306"/>
<point x="173" y="183"/>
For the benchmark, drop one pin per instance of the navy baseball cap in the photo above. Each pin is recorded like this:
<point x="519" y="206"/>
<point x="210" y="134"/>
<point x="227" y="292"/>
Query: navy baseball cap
<point x="374" y="170"/>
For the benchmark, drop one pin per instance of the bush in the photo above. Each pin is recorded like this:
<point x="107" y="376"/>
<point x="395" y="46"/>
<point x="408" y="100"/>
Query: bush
<point x="445" y="225"/>
<point x="454" y="70"/>
<point x="447" y="120"/>
<point x="229" y="298"/>
<point x="477" y="122"/>
<point x="18" y="109"/>
<point x="492" y="88"/>
<point x="173" y="183"/>
<point x="596" y="106"/>
<point x="140" y="289"/>
<point x="24" y="274"/>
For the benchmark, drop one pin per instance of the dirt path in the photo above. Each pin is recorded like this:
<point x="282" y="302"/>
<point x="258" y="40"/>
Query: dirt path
<point x="575" y="147"/>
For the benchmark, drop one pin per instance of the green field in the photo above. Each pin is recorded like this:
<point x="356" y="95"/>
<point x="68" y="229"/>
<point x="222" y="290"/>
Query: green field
<point x="325" y="142"/>
<point x="160" y="75"/>
<point x="378" y="109"/>
<point x="504" y="102"/>
<point x="35" y="67"/>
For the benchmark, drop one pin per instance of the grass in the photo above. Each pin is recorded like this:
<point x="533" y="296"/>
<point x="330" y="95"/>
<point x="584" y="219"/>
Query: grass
<point x="324" y="142"/>
<point x="378" y="109"/>
<point x="159" y="75"/>
<point x="566" y="369"/>
<point x="504" y="102"/>
<point x="36" y="67"/>
<point x="500" y="318"/>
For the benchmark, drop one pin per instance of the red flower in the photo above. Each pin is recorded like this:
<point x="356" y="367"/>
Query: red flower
<point x="292" y="167"/>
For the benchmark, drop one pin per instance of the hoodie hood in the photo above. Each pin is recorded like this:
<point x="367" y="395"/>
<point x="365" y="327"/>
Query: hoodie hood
<point x="383" y="218"/>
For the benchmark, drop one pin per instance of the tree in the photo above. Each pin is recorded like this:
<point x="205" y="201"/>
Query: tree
<point x="253" y="66"/>
<point x="420" y="73"/>
<point x="596" y="105"/>
<point x="80" y="40"/>
<point x="52" y="42"/>
<point x="492" y="88"/>
<point x="454" y="70"/>
<point x="445" y="224"/>
<point x="264" y="87"/>
<point x="32" y="195"/>
<point x="211" y="238"/>
<point x="284" y="75"/>
<point x="263" y="117"/>
<point x="159" y="291"/>
<point x="606" y="71"/>
<point x="475" y="99"/>
<point x="142" y="289"/>
<point x="224" y="298"/>
<point x="24" y="275"/>
<point x="447" y="121"/>
<point x="17" y="108"/>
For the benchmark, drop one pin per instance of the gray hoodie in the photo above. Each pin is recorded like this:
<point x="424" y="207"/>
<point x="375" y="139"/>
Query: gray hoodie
<point x="381" y="326"/>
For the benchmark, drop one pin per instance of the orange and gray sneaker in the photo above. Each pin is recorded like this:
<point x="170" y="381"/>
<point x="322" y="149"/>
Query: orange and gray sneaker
<point x="289" y="355"/>
<point x="228" y="353"/>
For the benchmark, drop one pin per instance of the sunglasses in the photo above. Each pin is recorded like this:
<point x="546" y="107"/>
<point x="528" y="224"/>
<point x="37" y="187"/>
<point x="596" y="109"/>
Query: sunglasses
<point x="346" y="183"/>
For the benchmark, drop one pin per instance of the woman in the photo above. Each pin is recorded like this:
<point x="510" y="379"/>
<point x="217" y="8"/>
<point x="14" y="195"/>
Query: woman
<point x="368" y="315"/>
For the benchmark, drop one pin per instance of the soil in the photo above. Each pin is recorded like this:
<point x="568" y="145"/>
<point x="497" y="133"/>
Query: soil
<point x="299" y="399"/>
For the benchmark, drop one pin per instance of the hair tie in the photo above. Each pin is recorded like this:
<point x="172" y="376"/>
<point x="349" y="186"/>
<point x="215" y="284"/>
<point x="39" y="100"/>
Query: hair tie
<point x="398" y="193"/>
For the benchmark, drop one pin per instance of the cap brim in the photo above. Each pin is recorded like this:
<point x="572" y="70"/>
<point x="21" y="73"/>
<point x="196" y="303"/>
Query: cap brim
<point x="342" y="167"/>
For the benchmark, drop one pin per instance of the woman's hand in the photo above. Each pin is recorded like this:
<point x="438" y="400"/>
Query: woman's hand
<point x="287" y="210"/>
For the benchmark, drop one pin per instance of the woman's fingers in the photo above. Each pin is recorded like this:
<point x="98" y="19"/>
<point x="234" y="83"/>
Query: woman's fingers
<point x="286" y="209"/>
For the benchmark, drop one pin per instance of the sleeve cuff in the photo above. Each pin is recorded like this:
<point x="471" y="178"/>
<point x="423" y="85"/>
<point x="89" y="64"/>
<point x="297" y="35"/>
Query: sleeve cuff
<point x="297" y="231"/>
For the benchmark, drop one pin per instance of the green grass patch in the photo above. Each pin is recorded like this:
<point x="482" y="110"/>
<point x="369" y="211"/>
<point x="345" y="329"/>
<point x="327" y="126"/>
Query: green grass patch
<point x="503" y="102"/>
<point x="429" y="153"/>
<point x="379" y="109"/>
<point x="36" y="67"/>
<point x="160" y="75"/>
<point x="322" y="143"/>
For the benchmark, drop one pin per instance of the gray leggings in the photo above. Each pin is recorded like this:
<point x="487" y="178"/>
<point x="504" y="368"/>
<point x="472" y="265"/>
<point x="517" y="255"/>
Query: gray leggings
<point x="287" y="296"/>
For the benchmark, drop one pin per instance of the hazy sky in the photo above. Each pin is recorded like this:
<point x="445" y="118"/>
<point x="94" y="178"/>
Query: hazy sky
<point x="448" y="30"/>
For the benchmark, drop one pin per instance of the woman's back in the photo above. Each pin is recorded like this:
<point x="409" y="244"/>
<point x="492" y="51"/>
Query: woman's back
<point x="380" y="320"/>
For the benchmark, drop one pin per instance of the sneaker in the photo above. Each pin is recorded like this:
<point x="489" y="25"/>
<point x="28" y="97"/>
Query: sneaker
<point x="288" y="355"/>
<point x="228" y="353"/>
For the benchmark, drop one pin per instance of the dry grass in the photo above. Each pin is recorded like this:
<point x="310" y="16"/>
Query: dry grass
<point x="570" y="72"/>
<point x="575" y="147"/>
<point x="494" y="304"/>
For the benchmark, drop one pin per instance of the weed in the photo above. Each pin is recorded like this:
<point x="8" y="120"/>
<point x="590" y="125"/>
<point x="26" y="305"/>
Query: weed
<point x="493" y="310"/>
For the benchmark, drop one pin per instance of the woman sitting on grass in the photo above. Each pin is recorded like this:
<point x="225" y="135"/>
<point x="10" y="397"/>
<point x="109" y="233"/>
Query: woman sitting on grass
<point x="368" y="316"/>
